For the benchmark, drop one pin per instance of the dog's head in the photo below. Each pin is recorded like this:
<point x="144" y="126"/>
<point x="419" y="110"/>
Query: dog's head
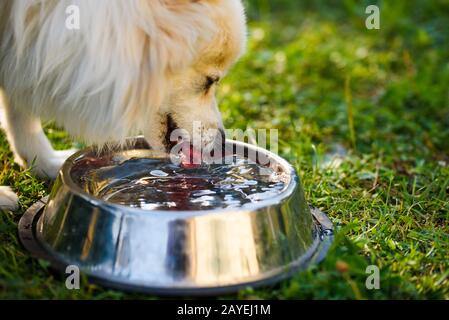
<point x="132" y="67"/>
<point x="195" y="44"/>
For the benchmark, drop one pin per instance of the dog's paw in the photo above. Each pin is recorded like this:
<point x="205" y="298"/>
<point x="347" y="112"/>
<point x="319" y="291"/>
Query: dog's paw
<point x="50" y="166"/>
<point x="8" y="199"/>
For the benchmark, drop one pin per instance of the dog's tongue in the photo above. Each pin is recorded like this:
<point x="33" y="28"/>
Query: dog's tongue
<point x="190" y="157"/>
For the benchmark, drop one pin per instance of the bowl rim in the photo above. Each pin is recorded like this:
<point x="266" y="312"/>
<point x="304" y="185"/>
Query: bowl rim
<point x="288" y="190"/>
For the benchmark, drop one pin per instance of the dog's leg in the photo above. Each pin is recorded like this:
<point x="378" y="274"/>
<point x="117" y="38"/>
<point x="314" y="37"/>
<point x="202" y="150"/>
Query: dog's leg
<point x="8" y="199"/>
<point x="30" y="145"/>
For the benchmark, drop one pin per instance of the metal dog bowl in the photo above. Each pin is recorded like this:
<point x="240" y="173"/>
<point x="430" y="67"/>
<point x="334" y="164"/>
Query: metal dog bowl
<point x="176" y="252"/>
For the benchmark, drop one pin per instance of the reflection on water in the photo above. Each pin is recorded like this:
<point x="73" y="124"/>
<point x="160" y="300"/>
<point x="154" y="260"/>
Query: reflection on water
<point x="157" y="184"/>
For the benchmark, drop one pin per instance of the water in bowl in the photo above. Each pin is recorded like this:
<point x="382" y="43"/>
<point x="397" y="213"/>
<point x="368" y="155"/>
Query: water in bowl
<point x="158" y="184"/>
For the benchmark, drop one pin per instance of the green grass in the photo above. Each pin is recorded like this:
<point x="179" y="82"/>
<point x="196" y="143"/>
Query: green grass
<point x="378" y="97"/>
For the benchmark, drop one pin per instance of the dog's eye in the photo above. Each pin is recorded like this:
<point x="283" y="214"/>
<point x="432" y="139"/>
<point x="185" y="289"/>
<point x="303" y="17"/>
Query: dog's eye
<point x="210" y="81"/>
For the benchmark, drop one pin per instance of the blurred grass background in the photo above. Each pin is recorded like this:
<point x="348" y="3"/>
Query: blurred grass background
<point x="364" y="117"/>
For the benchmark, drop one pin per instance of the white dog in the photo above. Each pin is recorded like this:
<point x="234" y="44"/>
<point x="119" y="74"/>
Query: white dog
<point x="133" y="67"/>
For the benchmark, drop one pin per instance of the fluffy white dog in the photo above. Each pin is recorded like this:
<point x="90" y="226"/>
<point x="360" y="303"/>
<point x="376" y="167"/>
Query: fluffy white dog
<point x="133" y="67"/>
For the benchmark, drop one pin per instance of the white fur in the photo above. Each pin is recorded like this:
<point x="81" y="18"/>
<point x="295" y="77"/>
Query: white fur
<point x="8" y="199"/>
<point x="131" y="63"/>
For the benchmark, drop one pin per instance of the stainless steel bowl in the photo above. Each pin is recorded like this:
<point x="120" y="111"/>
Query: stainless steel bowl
<point x="181" y="252"/>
